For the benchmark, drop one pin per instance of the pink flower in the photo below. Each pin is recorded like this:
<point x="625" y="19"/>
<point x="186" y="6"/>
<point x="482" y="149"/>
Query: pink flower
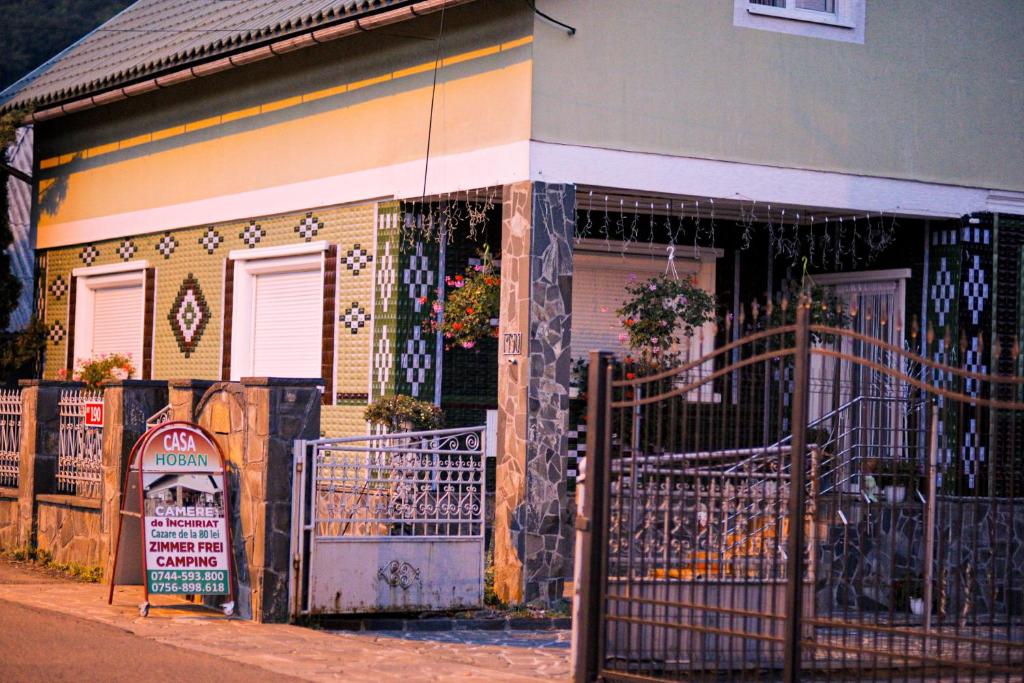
<point x="623" y="337"/>
<point x="468" y="344"/>
<point x="632" y="277"/>
<point x="478" y="268"/>
<point x="437" y="307"/>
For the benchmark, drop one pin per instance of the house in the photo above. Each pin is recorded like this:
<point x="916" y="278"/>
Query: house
<point x="266" y="188"/>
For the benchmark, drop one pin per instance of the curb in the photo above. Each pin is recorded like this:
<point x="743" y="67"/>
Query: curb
<point x="447" y="624"/>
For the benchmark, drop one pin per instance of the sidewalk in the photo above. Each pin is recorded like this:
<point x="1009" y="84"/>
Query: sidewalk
<point x="294" y="651"/>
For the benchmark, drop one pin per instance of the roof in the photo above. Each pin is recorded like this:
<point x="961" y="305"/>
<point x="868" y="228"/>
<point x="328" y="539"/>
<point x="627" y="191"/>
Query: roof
<point x="153" y="36"/>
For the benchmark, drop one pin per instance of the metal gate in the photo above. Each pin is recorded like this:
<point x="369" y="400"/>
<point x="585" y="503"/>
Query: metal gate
<point x="390" y="522"/>
<point x="727" y="534"/>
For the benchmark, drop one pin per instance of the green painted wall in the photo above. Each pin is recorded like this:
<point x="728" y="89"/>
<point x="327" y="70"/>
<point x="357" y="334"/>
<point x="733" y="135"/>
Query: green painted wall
<point x="935" y="93"/>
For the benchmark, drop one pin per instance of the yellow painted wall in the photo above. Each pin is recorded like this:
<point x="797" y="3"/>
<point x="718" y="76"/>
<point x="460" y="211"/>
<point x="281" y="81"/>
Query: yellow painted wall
<point x="356" y="104"/>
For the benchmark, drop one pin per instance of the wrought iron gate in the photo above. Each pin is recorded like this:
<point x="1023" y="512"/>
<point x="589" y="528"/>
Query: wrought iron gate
<point x="727" y="534"/>
<point x="391" y="522"/>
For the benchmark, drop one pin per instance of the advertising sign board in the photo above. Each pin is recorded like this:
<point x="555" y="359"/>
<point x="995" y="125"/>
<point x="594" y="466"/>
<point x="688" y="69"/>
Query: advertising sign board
<point x="182" y="507"/>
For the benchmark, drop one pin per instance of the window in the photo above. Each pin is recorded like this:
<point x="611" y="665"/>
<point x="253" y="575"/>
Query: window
<point x="277" y="326"/>
<point x="841" y="20"/>
<point x="110" y="311"/>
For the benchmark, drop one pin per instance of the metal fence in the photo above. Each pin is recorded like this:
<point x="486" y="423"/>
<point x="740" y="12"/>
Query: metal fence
<point x="10" y="436"/>
<point x="763" y="521"/>
<point x="80" y="454"/>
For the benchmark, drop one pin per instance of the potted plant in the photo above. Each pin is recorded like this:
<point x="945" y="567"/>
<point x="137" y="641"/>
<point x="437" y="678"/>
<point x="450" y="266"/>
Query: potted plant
<point x="403" y="414"/>
<point x="100" y="369"/>
<point x="901" y="474"/>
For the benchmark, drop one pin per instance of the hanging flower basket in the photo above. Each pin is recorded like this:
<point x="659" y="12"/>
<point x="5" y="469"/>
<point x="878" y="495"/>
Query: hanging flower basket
<point x="470" y="309"/>
<point x="658" y="314"/>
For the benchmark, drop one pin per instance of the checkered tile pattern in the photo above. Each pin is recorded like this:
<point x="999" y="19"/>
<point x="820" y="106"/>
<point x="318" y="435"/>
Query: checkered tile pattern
<point x="418" y="276"/>
<point x="974" y="362"/>
<point x="357" y="259"/>
<point x="210" y="240"/>
<point x="975" y="288"/>
<point x="416" y="361"/>
<point x="976" y="234"/>
<point x="386" y="277"/>
<point x="576" y="450"/>
<point x="943" y="291"/>
<point x="166" y="246"/>
<point x="309" y="226"/>
<point x="944" y="238"/>
<point x="383" y="360"/>
<point x="58" y="288"/>
<point x="355" y="318"/>
<point x="88" y="254"/>
<point x="972" y="453"/>
<point x="252" y="234"/>
<point x="126" y="250"/>
<point x="57" y="333"/>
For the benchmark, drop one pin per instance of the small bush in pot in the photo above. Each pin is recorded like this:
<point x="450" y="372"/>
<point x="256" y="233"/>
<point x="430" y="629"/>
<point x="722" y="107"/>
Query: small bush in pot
<point x="403" y="413"/>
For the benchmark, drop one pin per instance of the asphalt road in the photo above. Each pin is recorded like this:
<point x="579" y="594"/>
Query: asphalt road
<point x="38" y="645"/>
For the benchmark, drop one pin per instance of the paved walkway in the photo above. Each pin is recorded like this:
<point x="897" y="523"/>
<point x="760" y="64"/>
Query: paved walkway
<point x="301" y="652"/>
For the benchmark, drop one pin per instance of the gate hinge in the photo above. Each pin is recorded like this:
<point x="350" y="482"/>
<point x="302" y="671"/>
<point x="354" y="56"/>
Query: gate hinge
<point x="298" y="467"/>
<point x="296" y="561"/>
<point x="582" y="523"/>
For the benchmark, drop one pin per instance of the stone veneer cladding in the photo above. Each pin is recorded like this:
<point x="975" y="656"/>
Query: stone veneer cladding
<point x="531" y="538"/>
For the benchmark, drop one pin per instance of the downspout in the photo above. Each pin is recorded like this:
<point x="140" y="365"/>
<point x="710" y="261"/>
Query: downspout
<point x="284" y="46"/>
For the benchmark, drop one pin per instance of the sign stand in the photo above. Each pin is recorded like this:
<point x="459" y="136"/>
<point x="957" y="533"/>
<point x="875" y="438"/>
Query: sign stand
<point x="174" y="504"/>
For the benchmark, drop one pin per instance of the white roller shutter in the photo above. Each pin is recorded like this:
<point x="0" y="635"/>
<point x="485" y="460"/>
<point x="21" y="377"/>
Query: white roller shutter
<point x="287" y="324"/>
<point x="117" y="321"/>
<point x="598" y="290"/>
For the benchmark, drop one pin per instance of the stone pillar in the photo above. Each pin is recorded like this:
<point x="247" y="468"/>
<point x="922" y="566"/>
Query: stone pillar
<point x="127" y="405"/>
<point x="40" y="444"/>
<point x="184" y="395"/>
<point x="531" y="538"/>
<point x="276" y="413"/>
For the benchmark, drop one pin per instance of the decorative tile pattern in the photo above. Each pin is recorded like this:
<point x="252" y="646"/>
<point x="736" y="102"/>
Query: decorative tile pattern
<point x="210" y="240"/>
<point x="58" y="288"/>
<point x="974" y="361"/>
<point x="57" y="333"/>
<point x="385" y="304"/>
<point x="355" y="317"/>
<point x="383" y="363"/>
<point x="189" y="315"/>
<point x="416" y="361"/>
<point x="309" y="227"/>
<point x="357" y="259"/>
<point x="127" y="249"/>
<point x="252" y="234"/>
<point x="975" y="288"/>
<point x="89" y="254"/>
<point x="418" y="276"/>
<point x="166" y="246"/>
<point x="577" y="439"/>
<point x="943" y="291"/>
<point x="386" y="276"/>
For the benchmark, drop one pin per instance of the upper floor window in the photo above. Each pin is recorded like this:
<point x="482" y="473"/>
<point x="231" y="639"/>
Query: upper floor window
<point x="831" y="19"/>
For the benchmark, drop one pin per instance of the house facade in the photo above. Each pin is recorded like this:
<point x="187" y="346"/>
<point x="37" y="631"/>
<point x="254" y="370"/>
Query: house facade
<point x="226" y="192"/>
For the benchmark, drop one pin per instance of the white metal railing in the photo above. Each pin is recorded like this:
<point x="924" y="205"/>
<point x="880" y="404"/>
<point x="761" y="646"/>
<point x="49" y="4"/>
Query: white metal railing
<point x="80" y="455"/>
<point x="159" y="417"/>
<point x="400" y="485"/>
<point x="10" y="436"/>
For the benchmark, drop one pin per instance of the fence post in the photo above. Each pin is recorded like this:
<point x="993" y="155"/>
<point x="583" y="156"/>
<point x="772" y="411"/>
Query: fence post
<point x="183" y="396"/>
<point x="929" y="516"/>
<point x="797" y="479"/>
<point x="38" y="450"/>
<point x="591" y="525"/>
<point x="126" y="406"/>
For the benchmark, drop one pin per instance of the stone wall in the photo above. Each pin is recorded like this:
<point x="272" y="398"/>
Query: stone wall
<point x="8" y="518"/>
<point x="979" y="556"/>
<point x="68" y="528"/>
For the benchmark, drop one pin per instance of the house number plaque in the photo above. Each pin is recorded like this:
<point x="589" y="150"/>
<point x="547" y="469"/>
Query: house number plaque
<point x="512" y="343"/>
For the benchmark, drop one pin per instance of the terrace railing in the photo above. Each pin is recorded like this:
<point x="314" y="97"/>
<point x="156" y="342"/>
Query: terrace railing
<point x="10" y="436"/>
<point x="80" y="455"/>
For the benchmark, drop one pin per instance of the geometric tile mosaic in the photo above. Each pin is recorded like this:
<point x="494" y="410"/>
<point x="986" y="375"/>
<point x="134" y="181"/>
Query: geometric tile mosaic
<point x="126" y="250"/>
<point x="252" y="234"/>
<point x="57" y="333"/>
<point x="88" y="254"/>
<point x="416" y="361"/>
<point x="577" y="449"/>
<point x="386" y="277"/>
<point x="418" y="275"/>
<point x="357" y="259"/>
<point x="355" y="317"/>
<point x="975" y="289"/>
<point x="309" y="226"/>
<point x="189" y="315"/>
<point x="943" y="291"/>
<point x="58" y="287"/>
<point x="166" y="245"/>
<point x="210" y="240"/>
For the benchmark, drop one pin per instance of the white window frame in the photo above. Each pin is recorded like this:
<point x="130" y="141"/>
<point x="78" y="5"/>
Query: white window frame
<point x="248" y="264"/>
<point x="88" y="280"/>
<point x="846" y="24"/>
